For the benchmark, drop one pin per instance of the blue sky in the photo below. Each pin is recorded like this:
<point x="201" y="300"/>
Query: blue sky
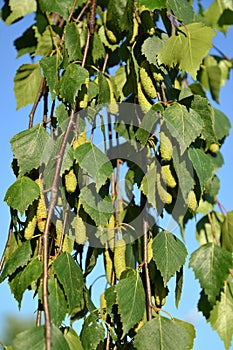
<point x="13" y="121"/>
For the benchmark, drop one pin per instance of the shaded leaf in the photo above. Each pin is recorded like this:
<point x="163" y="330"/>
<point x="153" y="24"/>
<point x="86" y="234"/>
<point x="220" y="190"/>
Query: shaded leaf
<point x="95" y="162"/>
<point x="147" y="125"/>
<point x="211" y="265"/>
<point x="57" y="301"/>
<point x="22" y="193"/>
<point x="131" y="301"/>
<point x="202" y="164"/>
<point x="182" y="10"/>
<point x="92" y="332"/>
<point x="179" y="285"/>
<point x="184" y="125"/>
<point x="72" y="42"/>
<point x="154" y="4"/>
<point x="169" y="254"/>
<point x="28" y="147"/>
<point x="23" y="279"/>
<point x="104" y="91"/>
<point x="165" y="334"/>
<point x="26" y="43"/>
<point x="50" y="66"/>
<point x="61" y="7"/>
<point x="222" y="314"/>
<point x="72" y="339"/>
<point x="227" y="232"/>
<point x="44" y="41"/>
<point x="70" y="276"/>
<point x="26" y="84"/>
<point x="204" y="230"/>
<point x="187" y="48"/>
<point x="152" y="46"/>
<point x="19" y="258"/>
<point x="98" y="50"/>
<point x="33" y="338"/>
<point x="71" y="82"/>
<point x="99" y="209"/>
<point x="148" y="184"/>
<point x="222" y="124"/>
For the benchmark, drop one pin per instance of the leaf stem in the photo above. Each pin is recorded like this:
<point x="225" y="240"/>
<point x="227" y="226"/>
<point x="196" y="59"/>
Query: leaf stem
<point x="37" y="100"/>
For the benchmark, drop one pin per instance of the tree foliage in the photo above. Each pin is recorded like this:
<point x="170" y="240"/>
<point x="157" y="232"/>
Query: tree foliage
<point x="127" y="137"/>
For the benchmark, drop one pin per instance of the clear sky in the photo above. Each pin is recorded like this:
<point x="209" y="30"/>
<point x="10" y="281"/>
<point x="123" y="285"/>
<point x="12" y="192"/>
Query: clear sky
<point x="13" y="121"/>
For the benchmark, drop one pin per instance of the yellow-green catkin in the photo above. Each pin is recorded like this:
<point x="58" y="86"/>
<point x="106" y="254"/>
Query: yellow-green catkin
<point x="165" y="147"/>
<point x="167" y="176"/>
<point x="146" y="81"/>
<point x="41" y="212"/>
<point x="119" y="258"/>
<point x="70" y="181"/>
<point x="165" y="197"/>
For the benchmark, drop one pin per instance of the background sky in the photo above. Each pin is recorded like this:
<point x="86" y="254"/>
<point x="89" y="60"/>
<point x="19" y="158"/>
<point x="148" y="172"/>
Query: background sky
<point x="13" y="121"/>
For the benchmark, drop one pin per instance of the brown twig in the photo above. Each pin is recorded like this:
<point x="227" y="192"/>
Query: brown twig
<point x="221" y="207"/>
<point x="83" y="10"/>
<point x="37" y="100"/>
<point x="221" y="53"/>
<point x="92" y="17"/>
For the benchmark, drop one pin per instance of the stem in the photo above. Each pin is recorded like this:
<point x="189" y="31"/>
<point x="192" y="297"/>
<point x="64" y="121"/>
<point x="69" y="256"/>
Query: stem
<point x="92" y="17"/>
<point x="64" y="228"/>
<point x="37" y="100"/>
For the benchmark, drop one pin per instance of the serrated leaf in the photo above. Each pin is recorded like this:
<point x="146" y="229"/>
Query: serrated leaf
<point x="71" y="82"/>
<point x="131" y="301"/>
<point x="57" y="301"/>
<point x="187" y="48"/>
<point x="20" y="9"/>
<point x="104" y="91"/>
<point x="22" y="280"/>
<point x="70" y="276"/>
<point x="26" y="84"/>
<point x="222" y="314"/>
<point x="165" y="334"/>
<point x="99" y="209"/>
<point x="72" y="339"/>
<point x="213" y="13"/>
<point x="61" y="7"/>
<point x="184" y="125"/>
<point x="222" y="124"/>
<point x="22" y="193"/>
<point x="169" y="254"/>
<point x="92" y="332"/>
<point x="202" y="164"/>
<point x="184" y="171"/>
<point x="98" y="50"/>
<point x="50" y="68"/>
<point x="152" y="46"/>
<point x="227" y="232"/>
<point x="72" y="42"/>
<point x="211" y="265"/>
<point x="19" y="258"/>
<point x="95" y="162"/>
<point x="153" y="4"/>
<point x="202" y="106"/>
<point x="182" y="10"/>
<point x="147" y="126"/>
<point x="34" y="338"/>
<point x="28" y="147"/>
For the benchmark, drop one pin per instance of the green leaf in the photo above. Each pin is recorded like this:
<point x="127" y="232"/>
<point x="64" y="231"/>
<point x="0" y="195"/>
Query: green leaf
<point x="98" y="50"/>
<point x="184" y="125"/>
<point x="26" y="84"/>
<point x="22" y="193"/>
<point x="169" y="254"/>
<point x="92" y="332"/>
<point x="57" y="301"/>
<point x="147" y="125"/>
<point x="131" y="301"/>
<point x="187" y="48"/>
<point x="44" y="42"/>
<point x="148" y="184"/>
<point x="94" y="162"/>
<point x="20" y="8"/>
<point x="202" y="106"/>
<point x="19" y="258"/>
<point x="165" y="334"/>
<point x="120" y="16"/>
<point x="204" y="230"/>
<point x="72" y="42"/>
<point x="184" y="171"/>
<point x="34" y="339"/>
<point x="153" y="4"/>
<point x="23" y="279"/>
<point x="211" y="265"/>
<point x="202" y="164"/>
<point x="50" y="68"/>
<point x="222" y="124"/>
<point x="28" y="147"/>
<point x="71" y="82"/>
<point x="182" y="10"/>
<point x="99" y="209"/>
<point x="104" y="91"/>
<point x="221" y="315"/>
<point x="227" y="232"/>
<point x="26" y="43"/>
<point x="72" y="339"/>
<point x="152" y="46"/>
<point x="70" y="276"/>
<point x="213" y="13"/>
<point x="179" y="285"/>
<point x="63" y="8"/>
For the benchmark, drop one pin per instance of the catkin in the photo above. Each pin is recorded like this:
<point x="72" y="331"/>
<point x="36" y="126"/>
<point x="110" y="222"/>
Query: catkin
<point x="165" y="147"/>
<point x="167" y="176"/>
<point x="144" y="103"/>
<point x="31" y="223"/>
<point x="41" y="212"/>
<point x="165" y="197"/>
<point x="146" y="81"/>
<point x="119" y="258"/>
<point x="214" y="147"/>
<point x="192" y="201"/>
<point x="108" y="266"/>
<point x="70" y="181"/>
<point x="80" y="230"/>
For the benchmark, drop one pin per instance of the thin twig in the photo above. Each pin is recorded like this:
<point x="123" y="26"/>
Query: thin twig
<point x="92" y="17"/>
<point x="72" y="10"/>
<point x="64" y="228"/>
<point x="221" y="207"/>
<point x="45" y="112"/>
<point x="221" y="53"/>
<point x="37" y="100"/>
<point x="105" y="63"/>
<point x="83" y="10"/>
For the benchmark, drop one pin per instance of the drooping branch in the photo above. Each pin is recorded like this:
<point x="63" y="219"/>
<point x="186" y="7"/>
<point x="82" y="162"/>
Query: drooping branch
<point x="37" y="100"/>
